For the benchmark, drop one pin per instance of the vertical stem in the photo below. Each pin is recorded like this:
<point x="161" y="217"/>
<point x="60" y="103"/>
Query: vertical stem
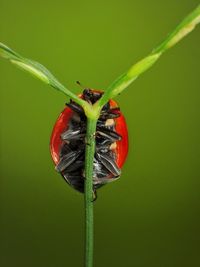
<point x="89" y="158"/>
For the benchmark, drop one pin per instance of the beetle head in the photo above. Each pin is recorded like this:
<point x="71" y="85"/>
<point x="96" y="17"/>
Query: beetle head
<point x="91" y="95"/>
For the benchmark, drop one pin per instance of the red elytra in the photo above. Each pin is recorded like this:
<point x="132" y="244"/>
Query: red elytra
<point x="61" y="125"/>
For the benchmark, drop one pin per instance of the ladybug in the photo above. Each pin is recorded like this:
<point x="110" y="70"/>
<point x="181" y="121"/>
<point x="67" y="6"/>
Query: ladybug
<point x="67" y="144"/>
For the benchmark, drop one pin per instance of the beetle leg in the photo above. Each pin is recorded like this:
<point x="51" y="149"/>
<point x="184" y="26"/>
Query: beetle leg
<point x="100" y="123"/>
<point x="103" y="149"/>
<point x="75" y="180"/>
<point x="72" y="135"/>
<point x="75" y="107"/>
<point x="99" y="171"/>
<point x="109" y="163"/>
<point x="100" y="141"/>
<point x="70" y="176"/>
<point x="76" y="144"/>
<point x="65" y="149"/>
<point x="109" y="134"/>
<point x="110" y="114"/>
<point x="67" y="160"/>
<point x="101" y="181"/>
<point x="75" y="166"/>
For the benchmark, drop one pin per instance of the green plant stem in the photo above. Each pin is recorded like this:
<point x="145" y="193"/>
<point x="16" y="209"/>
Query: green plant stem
<point x="89" y="158"/>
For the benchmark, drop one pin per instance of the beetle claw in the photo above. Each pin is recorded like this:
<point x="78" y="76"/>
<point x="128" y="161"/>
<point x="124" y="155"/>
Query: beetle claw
<point x="94" y="195"/>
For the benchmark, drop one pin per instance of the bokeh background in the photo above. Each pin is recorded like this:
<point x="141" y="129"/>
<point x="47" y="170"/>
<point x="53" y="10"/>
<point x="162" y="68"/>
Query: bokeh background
<point x="151" y="216"/>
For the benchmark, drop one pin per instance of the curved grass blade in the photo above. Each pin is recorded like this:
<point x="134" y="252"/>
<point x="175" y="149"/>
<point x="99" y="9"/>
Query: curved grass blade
<point x="185" y="27"/>
<point x="37" y="70"/>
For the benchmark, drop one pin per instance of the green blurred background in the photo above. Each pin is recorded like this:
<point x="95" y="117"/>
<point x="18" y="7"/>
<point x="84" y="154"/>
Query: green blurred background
<point x="151" y="216"/>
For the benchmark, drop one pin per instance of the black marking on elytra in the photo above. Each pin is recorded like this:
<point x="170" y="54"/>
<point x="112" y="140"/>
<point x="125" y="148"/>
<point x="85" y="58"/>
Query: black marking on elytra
<point x="72" y="151"/>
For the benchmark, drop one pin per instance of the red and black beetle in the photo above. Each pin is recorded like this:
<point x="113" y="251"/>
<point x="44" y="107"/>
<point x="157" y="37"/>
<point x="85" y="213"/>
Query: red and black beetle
<point x="67" y="143"/>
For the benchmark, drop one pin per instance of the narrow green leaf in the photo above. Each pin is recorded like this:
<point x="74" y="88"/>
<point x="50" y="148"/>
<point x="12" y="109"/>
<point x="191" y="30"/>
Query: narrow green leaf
<point x="31" y="66"/>
<point x="185" y="27"/>
<point x="142" y="66"/>
<point x="37" y="70"/>
<point x="7" y="53"/>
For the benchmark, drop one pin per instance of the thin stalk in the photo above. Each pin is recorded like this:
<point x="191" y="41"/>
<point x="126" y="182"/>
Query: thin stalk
<point x="89" y="158"/>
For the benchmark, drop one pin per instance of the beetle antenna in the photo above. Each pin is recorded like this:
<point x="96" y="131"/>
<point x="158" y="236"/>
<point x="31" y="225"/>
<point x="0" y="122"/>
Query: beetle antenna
<point x="80" y="84"/>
